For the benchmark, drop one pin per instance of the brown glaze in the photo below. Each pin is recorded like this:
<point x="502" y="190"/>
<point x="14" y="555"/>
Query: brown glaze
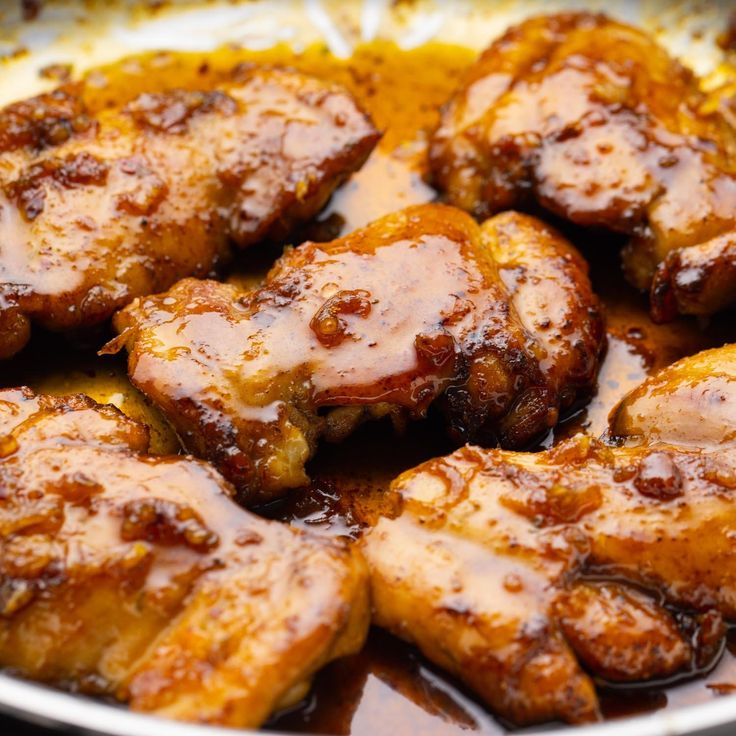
<point x="355" y="475"/>
<point x="620" y="634"/>
<point x="401" y="90"/>
<point x="137" y="576"/>
<point x="637" y="347"/>
<point x="397" y="690"/>
<point x="476" y="615"/>
<point x="388" y="688"/>
<point x="697" y="280"/>
<point x="691" y="402"/>
<point x="81" y="371"/>
<point x="594" y="121"/>
<point x="496" y="322"/>
<point x="479" y="562"/>
<point x="97" y="209"/>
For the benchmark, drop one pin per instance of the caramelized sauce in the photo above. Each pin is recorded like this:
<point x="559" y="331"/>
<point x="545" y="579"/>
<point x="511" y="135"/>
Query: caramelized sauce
<point x="402" y="90"/>
<point x="122" y="573"/>
<point x="387" y="688"/>
<point x="77" y="369"/>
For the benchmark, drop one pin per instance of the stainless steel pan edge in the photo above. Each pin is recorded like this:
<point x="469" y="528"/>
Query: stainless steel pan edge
<point x="52" y="709"/>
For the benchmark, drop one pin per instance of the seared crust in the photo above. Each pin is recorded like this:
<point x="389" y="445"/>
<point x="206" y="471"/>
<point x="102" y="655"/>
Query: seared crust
<point x="98" y="209"/>
<point x="697" y="280"/>
<point x="485" y="564"/>
<point x="138" y="577"/>
<point x="596" y="122"/>
<point x="690" y="403"/>
<point x="497" y="324"/>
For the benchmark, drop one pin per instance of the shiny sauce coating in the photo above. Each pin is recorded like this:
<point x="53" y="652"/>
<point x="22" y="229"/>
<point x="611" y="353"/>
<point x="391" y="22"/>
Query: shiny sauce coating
<point x="388" y="688"/>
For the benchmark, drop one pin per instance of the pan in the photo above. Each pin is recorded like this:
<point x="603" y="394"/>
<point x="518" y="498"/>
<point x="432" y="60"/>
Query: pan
<point x="40" y="42"/>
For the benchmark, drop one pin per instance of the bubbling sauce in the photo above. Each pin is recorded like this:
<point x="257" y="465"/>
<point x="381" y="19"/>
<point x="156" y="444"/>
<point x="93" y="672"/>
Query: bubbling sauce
<point x="389" y="687"/>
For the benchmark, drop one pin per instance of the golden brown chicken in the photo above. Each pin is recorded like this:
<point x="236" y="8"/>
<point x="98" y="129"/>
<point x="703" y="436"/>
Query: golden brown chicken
<point x="95" y="210"/>
<point x="516" y="570"/>
<point x="138" y="577"/>
<point x="496" y="324"/>
<point x="596" y="122"/>
<point x="690" y="403"/>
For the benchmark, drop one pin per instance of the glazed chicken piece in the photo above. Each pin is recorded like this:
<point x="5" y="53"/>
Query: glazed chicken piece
<point x="596" y="122"/>
<point x="515" y="570"/>
<point x="98" y="209"/>
<point x="495" y="324"/>
<point x="138" y="577"/>
<point x="690" y="403"/>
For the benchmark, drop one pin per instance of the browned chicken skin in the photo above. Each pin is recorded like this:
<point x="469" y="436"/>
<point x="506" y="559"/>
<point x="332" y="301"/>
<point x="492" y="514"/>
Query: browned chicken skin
<point x="494" y="563"/>
<point x="700" y="279"/>
<point x="137" y="576"/>
<point x="497" y="324"/>
<point x="95" y="210"/>
<point x="507" y="567"/>
<point x="596" y="122"/>
<point x="689" y="403"/>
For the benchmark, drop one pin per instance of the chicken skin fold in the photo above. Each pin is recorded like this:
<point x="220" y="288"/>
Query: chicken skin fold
<point x="689" y="403"/>
<point x="525" y="573"/>
<point x="495" y="324"/>
<point x="96" y="209"/>
<point x="138" y="577"/>
<point x="593" y="120"/>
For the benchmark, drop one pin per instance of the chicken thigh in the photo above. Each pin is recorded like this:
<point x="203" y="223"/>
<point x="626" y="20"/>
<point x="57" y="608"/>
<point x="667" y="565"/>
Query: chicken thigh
<point x="689" y="403"/>
<point x="138" y="577"/>
<point x="593" y="120"/>
<point x="518" y="572"/>
<point x="97" y="209"/>
<point x="495" y="324"/>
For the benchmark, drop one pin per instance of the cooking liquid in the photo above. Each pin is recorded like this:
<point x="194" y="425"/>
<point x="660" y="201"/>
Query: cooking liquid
<point x="388" y="687"/>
